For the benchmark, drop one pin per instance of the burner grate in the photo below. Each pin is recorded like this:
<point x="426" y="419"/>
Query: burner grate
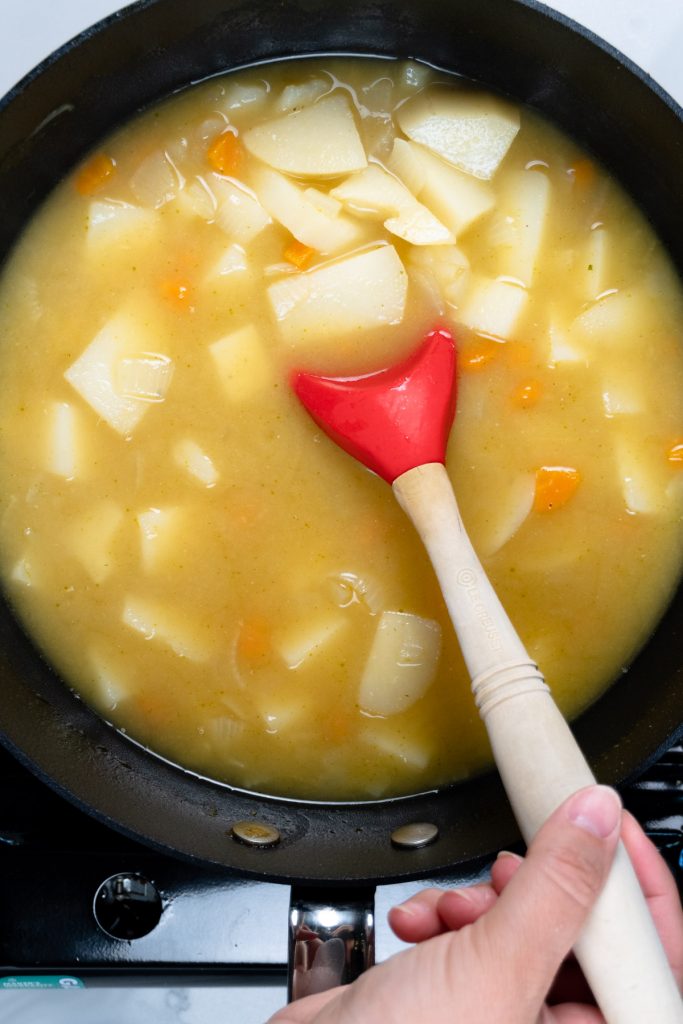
<point x="58" y="866"/>
<point x="656" y="800"/>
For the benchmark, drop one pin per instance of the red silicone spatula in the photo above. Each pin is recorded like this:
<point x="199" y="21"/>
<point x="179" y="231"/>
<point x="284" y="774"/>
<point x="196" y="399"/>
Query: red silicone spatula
<point x="396" y="422"/>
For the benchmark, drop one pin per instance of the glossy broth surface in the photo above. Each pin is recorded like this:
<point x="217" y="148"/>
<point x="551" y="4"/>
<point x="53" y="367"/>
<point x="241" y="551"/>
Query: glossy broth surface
<point x="206" y="568"/>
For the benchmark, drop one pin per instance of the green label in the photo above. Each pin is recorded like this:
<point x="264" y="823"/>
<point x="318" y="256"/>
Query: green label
<point x="42" y="981"/>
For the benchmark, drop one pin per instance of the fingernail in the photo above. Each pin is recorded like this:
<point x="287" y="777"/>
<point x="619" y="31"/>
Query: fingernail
<point x="466" y="895"/>
<point x="405" y="908"/>
<point x="596" y="810"/>
<point x="508" y="853"/>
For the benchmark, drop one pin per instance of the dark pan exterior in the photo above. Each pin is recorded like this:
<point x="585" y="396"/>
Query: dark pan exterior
<point x="152" y="49"/>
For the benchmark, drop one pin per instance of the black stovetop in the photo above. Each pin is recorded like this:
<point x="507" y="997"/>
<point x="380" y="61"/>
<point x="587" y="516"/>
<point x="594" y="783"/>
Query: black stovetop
<point x="190" y="922"/>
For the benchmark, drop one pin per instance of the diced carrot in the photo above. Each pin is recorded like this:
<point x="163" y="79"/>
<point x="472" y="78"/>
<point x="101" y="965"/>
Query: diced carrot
<point x="517" y="353"/>
<point x="154" y="709"/>
<point x="675" y="454"/>
<point x="478" y="354"/>
<point x="226" y="153"/>
<point x="337" y="728"/>
<point x="244" y="509"/>
<point x="177" y="292"/>
<point x="371" y="530"/>
<point x="254" y="641"/>
<point x="527" y="394"/>
<point x="90" y="178"/>
<point x="583" y="173"/>
<point x="555" y="485"/>
<point x="299" y="254"/>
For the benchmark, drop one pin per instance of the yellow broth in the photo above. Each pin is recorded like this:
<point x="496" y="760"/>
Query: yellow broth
<point x="212" y="578"/>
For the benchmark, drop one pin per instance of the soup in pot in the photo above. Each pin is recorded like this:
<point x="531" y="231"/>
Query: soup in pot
<point x="198" y="561"/>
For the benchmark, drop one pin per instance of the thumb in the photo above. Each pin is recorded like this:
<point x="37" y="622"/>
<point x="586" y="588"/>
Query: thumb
<point x="542" y="910"/>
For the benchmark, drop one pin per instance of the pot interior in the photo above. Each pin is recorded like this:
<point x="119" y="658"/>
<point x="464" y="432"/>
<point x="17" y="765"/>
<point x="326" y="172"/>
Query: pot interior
<point x="151" y="50"/>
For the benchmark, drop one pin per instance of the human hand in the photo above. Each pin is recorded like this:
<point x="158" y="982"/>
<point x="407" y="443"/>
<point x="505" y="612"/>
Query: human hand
<point x="491" y="953"/>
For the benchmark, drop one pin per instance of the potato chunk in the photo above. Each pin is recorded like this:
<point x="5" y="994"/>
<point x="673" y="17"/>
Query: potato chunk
<point x="617" y="320"/>
<point x="457" y="199"/>
<point x="113" y="225"/>
<point x="242" y="363"/>
<point x="65" y="441"/>
<point x="189" y="456"/>
<point x="320" y="141"/>
<point x="111" y="685"/>
<point x="594" y="265"/>
<point x="359" y="292"/>
<point x="231" y="266"/>
<point x="643" y="477"/>
<point x="520" y="226"/>
<point x="239" y="212"/>
<point x="623" y="392"/>
<point x="160" y="531"/>
<point x="299" y="642"/>
<point x="472" y="131"/>
<point x="376" y="193"/>
<point x="493" y="307"/>
<point x="155" y="181"/>
<point x="303" y="94"/>
<point x="500" y="523"/>
<point x="173" y="629"/>
<point x="414" y="753"/>
<point x="563" y="348"/>
<point x="92" y="538"/>
<point x="99" y="375"/>
<point x="301" y="213"/>
<point x="24" y="572"/>
<point x="401" y="664"/>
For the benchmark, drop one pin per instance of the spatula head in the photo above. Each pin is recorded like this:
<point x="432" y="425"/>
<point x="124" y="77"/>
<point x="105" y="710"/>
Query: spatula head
<point x="393" y="420"/>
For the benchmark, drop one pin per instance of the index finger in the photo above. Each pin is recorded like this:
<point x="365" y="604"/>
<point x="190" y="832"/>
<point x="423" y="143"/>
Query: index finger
<point x="660" y="890"/>
<point x="302" y="1011"/>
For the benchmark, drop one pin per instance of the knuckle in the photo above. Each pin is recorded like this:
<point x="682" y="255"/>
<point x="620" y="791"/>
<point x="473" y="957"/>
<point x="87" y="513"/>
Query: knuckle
<point x="577" y="873"/>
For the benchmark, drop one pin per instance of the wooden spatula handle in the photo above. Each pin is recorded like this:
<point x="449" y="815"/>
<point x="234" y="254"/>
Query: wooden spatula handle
<point x="537" y="756"/>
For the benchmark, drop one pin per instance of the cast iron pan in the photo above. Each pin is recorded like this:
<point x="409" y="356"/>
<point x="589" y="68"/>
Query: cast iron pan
<point x="152" y="49"/>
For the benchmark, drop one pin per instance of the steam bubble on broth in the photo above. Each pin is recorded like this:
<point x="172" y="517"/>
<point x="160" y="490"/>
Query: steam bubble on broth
<point x="195" y="557"/>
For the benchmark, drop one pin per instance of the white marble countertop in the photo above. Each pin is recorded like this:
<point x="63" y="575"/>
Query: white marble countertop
<point x="651" y="34"/>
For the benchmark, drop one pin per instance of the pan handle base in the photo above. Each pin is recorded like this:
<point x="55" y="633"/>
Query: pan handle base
<point x="331" y="938"/>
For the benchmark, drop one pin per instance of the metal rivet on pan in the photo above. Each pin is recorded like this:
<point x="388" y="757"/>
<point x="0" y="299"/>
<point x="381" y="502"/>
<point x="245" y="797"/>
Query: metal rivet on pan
<point x="255" y="833"/>
<point x="415" y="835"/>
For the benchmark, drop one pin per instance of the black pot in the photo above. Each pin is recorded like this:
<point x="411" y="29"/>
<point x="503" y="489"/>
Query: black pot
<point x="146" y="52"/>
